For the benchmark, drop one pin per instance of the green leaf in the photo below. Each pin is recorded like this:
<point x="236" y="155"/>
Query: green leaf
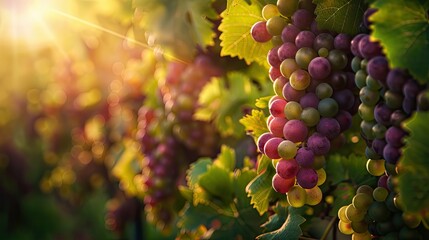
<point x="414" y="175"/>
<point x="402" y="27"/>
<point x="196" y="170"/>
<point x="222" y="100"/>
<point x="289" y="230"/>
<point x="241" y="179"/>
<point x="226" y="158"/>
<point x="343" y="194"/>
<point x="178" y="26"/>
<point x="262" y="102"/>
<point x="218" y="182"/>
<point x="236" y="41"/>
<point x="255" y="123"/>
<point x="276" y="220"/>
<point x="342" y="16"/>
<point x="196" y="216"/>
<point x="261" y="191"/>
<point x="263" y="163"/>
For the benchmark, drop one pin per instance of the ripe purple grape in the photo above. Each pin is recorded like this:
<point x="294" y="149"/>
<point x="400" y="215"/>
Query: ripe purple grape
<point x="378" y="68"/>
<point x="329" y="127"/>
<point x="289" y="33"/>
<point x="304" y="157"/>
<point x="287" y="168"/>
<point x="262" y="140"/>
<point x="394" y="136"/>
<point x="307" y="178"/>
<point x="259" y="32"/>
<point x="319" y="68"/>
<point x="302" y="19"/>
<point x="309" y="100"/>
<point x="304" y="39"/>
<point x="287" y="50"/>
<point x="295" y="131"/>
<point x="319" y="144"/>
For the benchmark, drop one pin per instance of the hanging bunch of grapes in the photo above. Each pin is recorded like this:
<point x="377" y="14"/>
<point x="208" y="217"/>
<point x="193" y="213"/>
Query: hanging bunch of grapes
<point x="315" y="97"/>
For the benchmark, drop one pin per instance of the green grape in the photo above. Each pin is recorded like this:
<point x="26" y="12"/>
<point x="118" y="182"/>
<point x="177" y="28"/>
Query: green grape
<point x="362" y="201"/>
<point x="353" y="214"/>
<point x="345" y="228"/>
<point x="379" y="130"/>
<point x="362" y="236"/>
<point x="372" y="83"/>
<point x="328" y="107"/>
<point x="363" y="63"/>
<point x="359" y="227"/>
<point x="385" y="227"/>
<point x="300" y="79"/>
<point x="342" y="214"/>
<point x="304" y="56"/>
<point x="287" y="149"/>
<point x="288" y="66"/>
<point x="338" y="59"/>
<point x="324" y="90"/>
<point x="321" y="174"/>
<point x="314" y="196"/>
<point x="380" y="194"/>
<point x="277" y="41"/>
<point x="412" y="220"/>
<point x="293" y="110"/>
<point x="368" y="96"/>
<point x="310" y="116"/>
<point x="356" y="63"/>
<point x="296" y="196"/>
<point x="276" y="24"/>
<point x="397" y="200"/>
<point x="269" y="11"/>
<point x="278" y="85"/>
<point x="375" y="167"/>
<point x="390" y="169"/>
<point x="323" y="52"/>
<point x="365" y="189"/>
<point x="366" y="127"/>
<point x="379" y="212"/>
<point x="319" y="162"/>
<point x="393" y="100"/>
<point x="366" y="112"/>
<point x="360" y="78"/>
<point x="287" y="7"/>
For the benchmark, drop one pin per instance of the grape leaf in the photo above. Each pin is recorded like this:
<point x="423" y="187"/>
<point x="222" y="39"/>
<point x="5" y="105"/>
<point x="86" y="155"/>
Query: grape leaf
<point x="236" y="41"/>
<point x="414" y="174"/>
<point x="178" y="26"/>
<point x="255" y="123"/>
<point x="262" y="102"/>
<point x="196" y="169"/>
<point x="402" y="27"/>
<point x="226" y="158"/>
<point x="276" y="220"/>
<point x="263" y="162"/>
<point x="342" y="16"/>
<point x="223" y="100"/>
<point x="289" y="230"/>
<point x="261" y="191"/>
<point x="217" y="181"/>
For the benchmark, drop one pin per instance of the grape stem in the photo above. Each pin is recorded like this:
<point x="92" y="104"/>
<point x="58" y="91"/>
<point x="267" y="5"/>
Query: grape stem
<point x="328" y="228"/>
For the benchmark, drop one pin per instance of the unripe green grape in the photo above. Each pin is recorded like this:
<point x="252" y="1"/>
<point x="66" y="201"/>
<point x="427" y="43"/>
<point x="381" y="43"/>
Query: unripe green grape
<point x="338" y="59"/>
<point x="362" y="201"/>
<point x="353" y="214"/>
<point x="276" y="41"/>
<point x="314" y="196"/>
<point x="360" y="78"/>
<point x="276" y="24"/>
<point x="269" y="11"/>
<point x="287" y="149"/>
<point x="363" y="63"/>
<point x="362" y="236"/>
<point x="293" y="110"/>
<point x="379" y="130"/>
<point x="412" y="220"/>
<point x="366" y="127"/>
<point x="372" y="83"/>
<point x="288" y="66"/>
<point x="310" y="116"/>
<point x="366" y="112"/>
<point x="375" y="167"/>
<point x="356" y="64"/>
<point x="368" y="96"/>
<point x="319" y="162"/>
<point x="323" y="52"/>
<point x="304" y="56"/>
<point x="328" y="107"/>
<point x="359" y="227"/>
<point x="345" y="228"/>
<point x="321" y="174"/>
<point x="287" y="7"/>
<point x="296" y="196"/>
<point x="365" y="189"/>
<point x="393" y="100"/>
<point x="380" y="194"/>
<point x="300" y="79"/>
<point x="324" y="90"/>
<point x="342" y="214"/>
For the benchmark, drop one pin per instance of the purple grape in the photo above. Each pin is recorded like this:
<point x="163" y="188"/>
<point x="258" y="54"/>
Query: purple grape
<point x="319" y="68"/>
<point x="342" y="42"/>
<point x="411" y="89"/>
<point x="307" y="178"/>
<point x="309" y="100"/>
<point x="305" y="157"/>
<point x="397" y="118"/>
<point x="409" y="105"/>
<point x="304" y="39"/>
<point x="344" y="98"/>
<point x="329" y="127"/>
<point x="273" y="57"/>
<point x="382" y="181"/>
<point x="289" y="33"/>
<point x="291" y="94"/>
<point x="382" y="114"/>
<point x="315" y="28"/>
<point x="287" y="50"/>
<point x="344" y="118"/>
<point x="369" y="49"/>
<point x="391" y="154"/>
<point x="354" y="45"/>
<point x="282" y="185"/>
<point x="287" y="168"/>
<point x="259" y="32"/>
<point x="366" y="15"/>
<point x="319" y="144"/>
<point x="270" y="148"/>
<point x="338" y="80"/>
<point x="295" y="131"/>
<point x="396" y="78"/>
<point x="323" y="40"/>
<point x="378" y="146"/>
<point x="313" y="85"/>
<point x="302" y="19"/>
<point x="394" y="136"/>
<point x="377" y="68"/>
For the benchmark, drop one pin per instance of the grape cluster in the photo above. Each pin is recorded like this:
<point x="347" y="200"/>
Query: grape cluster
<point x="181" y="90"/>
<point x="376" y="214"/>
<point x="162" y="165"/>
<point x="315" y="97"/>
